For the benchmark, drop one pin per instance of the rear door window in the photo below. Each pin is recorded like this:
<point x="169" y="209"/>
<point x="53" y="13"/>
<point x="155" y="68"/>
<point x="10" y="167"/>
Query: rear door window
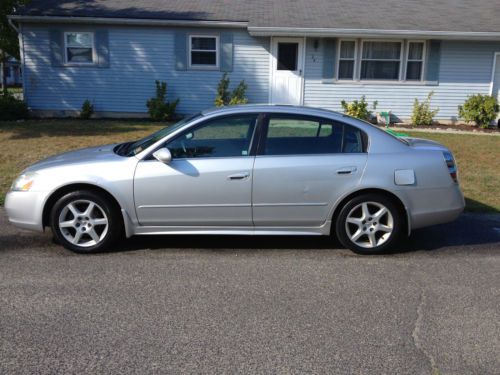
<point x="303" y="135"/>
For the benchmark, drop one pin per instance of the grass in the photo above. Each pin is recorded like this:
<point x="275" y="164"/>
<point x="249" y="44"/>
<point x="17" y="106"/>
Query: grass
<point x="24" y="143"/>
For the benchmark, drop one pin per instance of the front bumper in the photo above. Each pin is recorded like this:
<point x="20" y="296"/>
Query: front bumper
<point x="25" y="209"/>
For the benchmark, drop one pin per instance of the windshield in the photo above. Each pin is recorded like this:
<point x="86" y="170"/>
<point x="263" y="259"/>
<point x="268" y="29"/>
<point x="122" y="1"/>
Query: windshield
<point x="133" y="148"/>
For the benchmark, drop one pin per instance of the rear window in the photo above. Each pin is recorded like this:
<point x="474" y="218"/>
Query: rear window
<point x="299" y="135"/>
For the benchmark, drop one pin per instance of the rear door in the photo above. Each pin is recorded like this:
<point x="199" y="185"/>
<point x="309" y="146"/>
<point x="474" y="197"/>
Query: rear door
<point x="304" y="164"/>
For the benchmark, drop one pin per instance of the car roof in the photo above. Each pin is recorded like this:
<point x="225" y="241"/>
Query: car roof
<point x="280" y="108"/>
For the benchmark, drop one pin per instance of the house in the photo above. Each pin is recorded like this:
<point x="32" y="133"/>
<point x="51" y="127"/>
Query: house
<point x="12" y="72"/>
<point x="310" y="52"/>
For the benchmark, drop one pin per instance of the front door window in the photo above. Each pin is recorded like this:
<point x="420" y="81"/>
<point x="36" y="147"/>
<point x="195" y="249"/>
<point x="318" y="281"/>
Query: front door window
<point x="287" y="56"/>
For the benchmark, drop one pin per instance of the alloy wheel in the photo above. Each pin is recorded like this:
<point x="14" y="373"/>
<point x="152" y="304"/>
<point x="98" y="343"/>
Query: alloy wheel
<point x="369" y="224"/>
<point x="83" y="223"/>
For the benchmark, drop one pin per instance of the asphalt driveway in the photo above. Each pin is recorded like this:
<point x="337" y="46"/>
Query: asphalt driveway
<point x="253" y="305"/>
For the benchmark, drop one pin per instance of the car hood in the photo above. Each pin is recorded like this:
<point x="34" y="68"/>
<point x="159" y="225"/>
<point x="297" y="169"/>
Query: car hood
<point x="84" y="156"/>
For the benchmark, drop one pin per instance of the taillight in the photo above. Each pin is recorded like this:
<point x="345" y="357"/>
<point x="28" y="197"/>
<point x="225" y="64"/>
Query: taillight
<point x="450" y="163"/>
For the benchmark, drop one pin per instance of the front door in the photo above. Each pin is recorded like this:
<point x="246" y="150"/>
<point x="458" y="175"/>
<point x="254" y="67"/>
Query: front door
<point x="207" y="183"/>
<point x="496" y="77"/>
<point x="287" y="70"/>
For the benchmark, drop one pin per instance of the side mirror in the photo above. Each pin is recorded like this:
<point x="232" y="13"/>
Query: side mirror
<point x="163" y="155"/>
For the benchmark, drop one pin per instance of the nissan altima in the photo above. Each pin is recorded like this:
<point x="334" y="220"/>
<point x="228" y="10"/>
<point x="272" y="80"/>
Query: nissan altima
<point x="244" y="170"/>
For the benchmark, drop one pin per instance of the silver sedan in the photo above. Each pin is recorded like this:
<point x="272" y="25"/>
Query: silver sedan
<point x="245" y="170"/>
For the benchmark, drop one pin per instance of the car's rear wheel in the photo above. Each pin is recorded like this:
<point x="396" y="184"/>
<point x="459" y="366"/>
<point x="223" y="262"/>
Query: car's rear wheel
<point x="369" y="224"/>
<point x="85" y="222"/>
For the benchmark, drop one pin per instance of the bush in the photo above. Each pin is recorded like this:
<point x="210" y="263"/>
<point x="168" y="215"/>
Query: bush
<point x="224" y="97"/>
<point x="87" y="110"/>
<point x="481" y="109"/>
<point x="158" y="107"/>
<point x="358" y="108"/>
<point x="12" y="108"/>
<point x="422" y="113"/>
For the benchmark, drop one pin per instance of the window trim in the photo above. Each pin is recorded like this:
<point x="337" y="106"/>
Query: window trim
<point x="190" y="52"/>
<point x="93" y="47"/>
<point x="401" y="61"/>
<point x="339" y="59"/>
<point x="423" y="60"/>
<point x="264" y="128"/>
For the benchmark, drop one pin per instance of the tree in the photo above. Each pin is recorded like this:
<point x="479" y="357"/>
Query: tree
<point x="9" y="42"/>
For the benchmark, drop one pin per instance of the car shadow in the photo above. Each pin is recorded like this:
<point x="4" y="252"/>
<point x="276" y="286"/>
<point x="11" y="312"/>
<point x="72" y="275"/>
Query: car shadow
<point x="469" y="229"/>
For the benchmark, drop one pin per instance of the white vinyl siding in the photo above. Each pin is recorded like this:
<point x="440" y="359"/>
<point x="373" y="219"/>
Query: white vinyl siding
<point x="465" y="69"/>
<point x="138" y="56"/>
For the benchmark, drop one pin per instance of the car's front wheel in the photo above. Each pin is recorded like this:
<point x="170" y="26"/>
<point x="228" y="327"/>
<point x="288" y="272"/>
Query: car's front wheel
<point x="369" y="224"/>
<point x="85" y="222"/>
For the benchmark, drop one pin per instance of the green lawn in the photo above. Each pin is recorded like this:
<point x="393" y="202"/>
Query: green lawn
<point x="25" y="142"/>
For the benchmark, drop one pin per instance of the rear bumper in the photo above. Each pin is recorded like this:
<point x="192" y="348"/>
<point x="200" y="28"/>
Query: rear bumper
<point x="436" y="206"/>
<point x="25" y="209"/>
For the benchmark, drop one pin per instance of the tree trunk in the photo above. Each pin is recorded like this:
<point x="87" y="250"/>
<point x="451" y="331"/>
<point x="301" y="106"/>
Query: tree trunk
<point x="3" y="60"/>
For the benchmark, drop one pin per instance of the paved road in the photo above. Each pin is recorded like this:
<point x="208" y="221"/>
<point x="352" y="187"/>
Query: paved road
<point x="253" y="305"/>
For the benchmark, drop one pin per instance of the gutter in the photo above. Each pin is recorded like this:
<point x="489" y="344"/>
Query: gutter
<point x="372" y="33"/>
<point x="127" y="21"/>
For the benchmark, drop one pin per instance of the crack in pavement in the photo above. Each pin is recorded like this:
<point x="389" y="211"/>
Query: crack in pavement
<point x="416" y="332"/>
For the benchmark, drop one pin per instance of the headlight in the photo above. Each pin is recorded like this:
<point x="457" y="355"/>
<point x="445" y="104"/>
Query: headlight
<point x="24" y="182"/>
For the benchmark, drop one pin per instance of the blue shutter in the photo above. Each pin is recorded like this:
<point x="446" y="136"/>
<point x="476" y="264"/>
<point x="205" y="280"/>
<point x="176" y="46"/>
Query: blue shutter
<point x="226" y="53"/>
<point x="56" y="47"/>
<point x="102" y="48"/>
<point x="433" y="61"/>
<point x="180" y="48"/>
<point x="329" y="57"/>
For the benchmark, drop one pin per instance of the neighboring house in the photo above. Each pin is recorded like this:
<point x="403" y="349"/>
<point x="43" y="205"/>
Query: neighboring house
<point x="311" y="52"/>
<point x="12" y="72"/>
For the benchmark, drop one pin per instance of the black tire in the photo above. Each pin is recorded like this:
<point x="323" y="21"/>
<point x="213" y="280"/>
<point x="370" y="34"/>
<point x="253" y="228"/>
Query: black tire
<point x="387" y="243"/>
<point x="107" y="237"/>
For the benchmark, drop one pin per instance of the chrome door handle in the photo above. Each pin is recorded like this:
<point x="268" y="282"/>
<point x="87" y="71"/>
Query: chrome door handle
<point x="346" y="170"/>
<point x="239" y="176"/>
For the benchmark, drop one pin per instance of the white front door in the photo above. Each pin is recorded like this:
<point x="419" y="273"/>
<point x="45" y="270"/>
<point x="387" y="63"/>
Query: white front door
<point x="495" y="84"/>
<point x="287" y="70"/>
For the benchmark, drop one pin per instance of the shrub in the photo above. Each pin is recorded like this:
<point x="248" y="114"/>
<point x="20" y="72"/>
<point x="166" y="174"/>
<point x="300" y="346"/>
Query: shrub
<point x="12" y="108"/>
<point x="87" y="110"/>
<point x="422" y="113"/>
<point x="158" y="107"/>
<point x="224" y="97"/>
<point x="481" y="109"/>
<point x="358" y="108"/>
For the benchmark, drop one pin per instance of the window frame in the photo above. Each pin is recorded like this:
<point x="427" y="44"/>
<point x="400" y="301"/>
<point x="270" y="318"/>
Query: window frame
<point x="190" y="52"/>
<point x="263" y="127"/>
<point x="66" y="46"/>
<point x="423" y="60"/>
<point x="339" y="59"/>
<point x="251" y="147"/>
<point x="401" y="59"/>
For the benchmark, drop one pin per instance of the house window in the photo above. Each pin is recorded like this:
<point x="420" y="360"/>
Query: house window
<point x="380" y="60"/>
<point x="347" y="59"/>
<point x="203" y="51"/>
<point x="415" y="61"/>
<point x="79" y="47"/>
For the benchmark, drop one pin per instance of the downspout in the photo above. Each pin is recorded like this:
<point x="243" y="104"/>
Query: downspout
<point x="21" y="53"/>
<point x="12" y="24"/>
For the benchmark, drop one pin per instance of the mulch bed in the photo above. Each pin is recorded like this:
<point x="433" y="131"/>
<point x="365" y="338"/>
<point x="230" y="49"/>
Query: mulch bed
<point x="457" y="127"/>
